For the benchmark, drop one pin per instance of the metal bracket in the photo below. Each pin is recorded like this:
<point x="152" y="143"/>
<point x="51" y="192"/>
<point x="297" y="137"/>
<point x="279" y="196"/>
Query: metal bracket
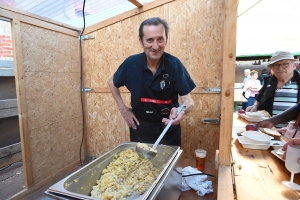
<point x="86" y="37"/>
<point x="210" y="121"/>
<point x="213" y="89"/>
<point x="89" y="158"/>
<point x="86" y="89"/>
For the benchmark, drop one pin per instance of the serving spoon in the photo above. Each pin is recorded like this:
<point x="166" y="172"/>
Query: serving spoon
<point x="149" y="154"/>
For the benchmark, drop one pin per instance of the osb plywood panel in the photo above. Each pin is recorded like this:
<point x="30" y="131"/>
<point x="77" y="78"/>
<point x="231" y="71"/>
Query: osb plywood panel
<point x="130" y="37"/>
<point x="49" y="51"/>
<point x="52" y="88"/>
<point x="195" y="37"/>
<point x="54" y="147"/>
<point x="51" y="97"/>
<point x="197" y="135"/>
<point x="103" y="123"/>
<point x="105" y="55"/>
<point x="204" y="46"/>
<point x="178" y="38"/>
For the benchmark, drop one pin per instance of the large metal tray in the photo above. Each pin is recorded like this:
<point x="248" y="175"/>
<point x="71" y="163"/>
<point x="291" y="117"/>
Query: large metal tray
<point x="79" y="184"/>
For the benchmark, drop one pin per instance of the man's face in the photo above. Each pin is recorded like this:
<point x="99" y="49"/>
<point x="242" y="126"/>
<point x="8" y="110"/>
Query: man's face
<point x="154" y="41"/>
<point x="283" y="69"/>
<point x="246" y="73"/>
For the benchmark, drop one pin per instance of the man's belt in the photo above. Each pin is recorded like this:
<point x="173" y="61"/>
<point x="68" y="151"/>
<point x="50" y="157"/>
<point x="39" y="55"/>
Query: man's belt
<point x="148" y="100"/>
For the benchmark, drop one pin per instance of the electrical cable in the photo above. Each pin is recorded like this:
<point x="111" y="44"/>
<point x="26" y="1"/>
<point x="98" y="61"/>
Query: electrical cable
<point x="81" y="84"/>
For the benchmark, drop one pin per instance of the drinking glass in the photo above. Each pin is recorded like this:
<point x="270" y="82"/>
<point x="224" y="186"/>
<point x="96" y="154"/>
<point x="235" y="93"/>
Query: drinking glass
<point x="292" y="155"/>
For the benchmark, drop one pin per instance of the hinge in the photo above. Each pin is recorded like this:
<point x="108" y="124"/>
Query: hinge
<point x="210" y="121"/>
<point x="85" y="37"/>
<point x="86" y="89"/>
<point x="213" y="89"/>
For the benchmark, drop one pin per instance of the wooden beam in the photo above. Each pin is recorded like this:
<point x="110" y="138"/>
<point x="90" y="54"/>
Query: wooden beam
<point x="9" y="112"/>
<point x="10" y="150"/>
<point x="22" y="104"/>
<point x="10" y="159"/>
<point x="136" y="3"/>
<point x="10" y="154"/>
<point x="197" y="90"/>
<point x="8" y="103"/>
<point x="225" y="187"/>
<point x="228" y="80"/>
<point x="125" y="15"/>
<point x="8" y="108"/>
<point x="16" y="14"/>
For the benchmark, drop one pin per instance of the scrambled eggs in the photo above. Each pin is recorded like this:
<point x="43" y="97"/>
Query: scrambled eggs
<point x="125" y="175"/>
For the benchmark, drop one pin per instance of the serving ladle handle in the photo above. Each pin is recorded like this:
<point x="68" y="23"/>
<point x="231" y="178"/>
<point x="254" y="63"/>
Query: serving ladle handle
<point x="167" y="128"/>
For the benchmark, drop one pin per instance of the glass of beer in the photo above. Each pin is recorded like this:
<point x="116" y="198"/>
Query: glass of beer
<point x="200" y="159"/>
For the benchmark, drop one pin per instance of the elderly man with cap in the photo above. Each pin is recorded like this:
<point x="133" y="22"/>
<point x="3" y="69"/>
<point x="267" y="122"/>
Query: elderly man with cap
<point x="281" y="91"/>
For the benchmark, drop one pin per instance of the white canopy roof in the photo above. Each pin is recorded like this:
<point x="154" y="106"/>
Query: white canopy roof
<point x="268" y="26"/>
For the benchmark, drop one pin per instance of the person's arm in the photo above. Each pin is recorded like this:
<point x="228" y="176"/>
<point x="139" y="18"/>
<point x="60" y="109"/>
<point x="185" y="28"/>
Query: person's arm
<point x="288" y="115"/>
<point x="252" y="108"/>
<point x="126" y="112"/>
<point x="188" y="102"/>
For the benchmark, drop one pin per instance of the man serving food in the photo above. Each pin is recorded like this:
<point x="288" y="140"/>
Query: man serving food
<point x="154" y="79"/>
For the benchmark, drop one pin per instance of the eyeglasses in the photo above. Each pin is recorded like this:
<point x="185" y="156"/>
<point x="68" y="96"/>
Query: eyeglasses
<point x="283" y="65"/>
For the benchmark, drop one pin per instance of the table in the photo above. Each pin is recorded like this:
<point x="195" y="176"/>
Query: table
<point x="258" y="173"/>
<point x="170" y="190"/>
<point x="238" y="97"/>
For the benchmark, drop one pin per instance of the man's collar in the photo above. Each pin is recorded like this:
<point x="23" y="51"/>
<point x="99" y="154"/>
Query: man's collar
<point x="161" y="64"/>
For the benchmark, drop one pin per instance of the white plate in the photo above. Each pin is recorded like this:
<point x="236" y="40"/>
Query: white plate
<point x="277" y="144"/>
<point x="248" y="145"/>
<point x="255" y="114"/>
<point x="254" y="119"/>
<point x="257" y="137"/>
<point x="274" y="152"/>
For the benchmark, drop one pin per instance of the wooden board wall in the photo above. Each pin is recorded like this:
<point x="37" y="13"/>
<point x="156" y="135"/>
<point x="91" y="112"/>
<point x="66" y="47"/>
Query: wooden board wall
<point x="52" y="88"/>
<point x="196" y="36"/>
<point x="48" y="73"/>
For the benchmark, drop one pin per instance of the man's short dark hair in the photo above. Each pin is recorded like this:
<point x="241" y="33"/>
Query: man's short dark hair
<point x="153" y="21"/>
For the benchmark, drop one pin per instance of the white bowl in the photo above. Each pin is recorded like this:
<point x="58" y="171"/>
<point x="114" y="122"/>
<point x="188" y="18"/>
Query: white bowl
<point x="254" y="119"/>
<point x="257" y="137"/>
<point x="256" y="114"/>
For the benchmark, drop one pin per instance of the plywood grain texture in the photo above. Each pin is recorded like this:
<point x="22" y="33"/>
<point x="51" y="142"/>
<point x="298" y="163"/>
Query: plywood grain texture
<point x="195" y="134"/>
<point x="52" y="90"/>
<point x="106" y="55"/>
<point x="195" y="37"/>
<point x="204" y="41"/>
<point x="104" y="122"/>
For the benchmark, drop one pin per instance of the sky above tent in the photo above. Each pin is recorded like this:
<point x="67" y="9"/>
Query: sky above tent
<point x="268" y="26"/>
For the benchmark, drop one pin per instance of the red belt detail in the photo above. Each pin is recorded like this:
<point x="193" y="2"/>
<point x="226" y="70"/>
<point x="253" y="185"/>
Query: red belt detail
<point x="148" y="100"/>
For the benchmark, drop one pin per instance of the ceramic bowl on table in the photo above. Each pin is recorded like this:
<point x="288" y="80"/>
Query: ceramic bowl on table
<point x="257" y="137"/>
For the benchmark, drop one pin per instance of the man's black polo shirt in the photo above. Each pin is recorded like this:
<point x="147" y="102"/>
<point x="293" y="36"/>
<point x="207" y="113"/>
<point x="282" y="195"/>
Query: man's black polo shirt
<point x="130" y="74"/>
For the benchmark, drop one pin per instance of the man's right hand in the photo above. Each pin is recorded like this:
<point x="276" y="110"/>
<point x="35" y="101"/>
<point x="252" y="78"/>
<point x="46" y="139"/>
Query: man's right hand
<point x="129" y="117"/>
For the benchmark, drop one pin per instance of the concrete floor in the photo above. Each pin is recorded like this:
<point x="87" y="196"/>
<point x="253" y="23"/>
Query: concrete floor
<point x="12" y="182"/>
